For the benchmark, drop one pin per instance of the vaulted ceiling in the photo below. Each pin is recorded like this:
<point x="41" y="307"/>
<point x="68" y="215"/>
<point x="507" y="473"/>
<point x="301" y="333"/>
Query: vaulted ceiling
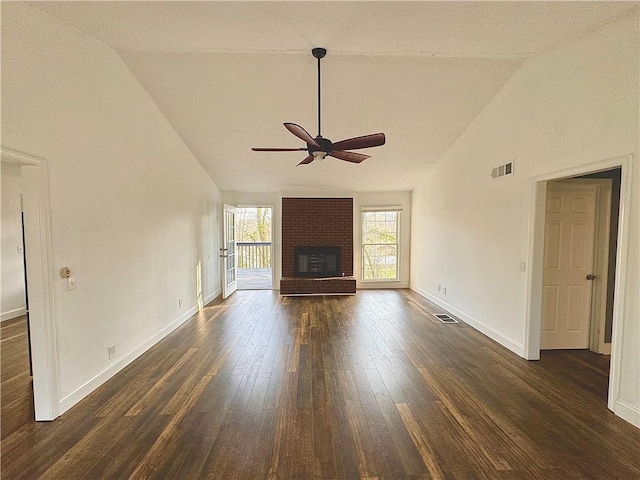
<point x="228" y="74"/>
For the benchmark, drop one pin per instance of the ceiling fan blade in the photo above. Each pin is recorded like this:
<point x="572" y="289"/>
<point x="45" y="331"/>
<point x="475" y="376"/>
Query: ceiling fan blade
<point x="349" y="156"/>
<point x="309" y="159"/>
<point x="277" y="149"/>
<point x="366" y="141"/>
<point x="301" y="133"/>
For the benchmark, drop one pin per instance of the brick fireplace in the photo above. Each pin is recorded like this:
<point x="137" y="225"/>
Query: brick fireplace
<point x="314" y="223"/>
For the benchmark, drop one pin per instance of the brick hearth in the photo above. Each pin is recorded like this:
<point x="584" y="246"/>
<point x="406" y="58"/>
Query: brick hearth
<point x="317" y="286"/>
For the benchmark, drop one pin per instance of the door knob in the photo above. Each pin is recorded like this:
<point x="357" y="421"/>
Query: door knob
<point x="591" y="277"/>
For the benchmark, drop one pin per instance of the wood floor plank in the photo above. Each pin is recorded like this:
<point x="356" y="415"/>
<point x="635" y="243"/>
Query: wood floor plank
<point x="368" y="465"/>
<point x="404" y="446"/>
<point x="344" y="448"/>
<point x="388" y="458"/>
<point x="16" y="386"/>
<point x="421" y="442"/>
<point x="280" y="462"/>
<point x="369" y="386"/>
<point x="159" y="450"/>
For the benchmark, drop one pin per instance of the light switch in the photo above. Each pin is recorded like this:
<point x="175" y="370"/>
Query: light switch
<point x="71" y="283"/>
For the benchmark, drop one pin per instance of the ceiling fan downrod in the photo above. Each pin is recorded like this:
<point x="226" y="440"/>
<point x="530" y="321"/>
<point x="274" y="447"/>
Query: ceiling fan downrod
<point x="319" y="53"/>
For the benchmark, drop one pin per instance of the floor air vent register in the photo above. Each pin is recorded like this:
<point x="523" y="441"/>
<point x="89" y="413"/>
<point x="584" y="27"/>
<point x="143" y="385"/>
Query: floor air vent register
<point x="444" y="318"/>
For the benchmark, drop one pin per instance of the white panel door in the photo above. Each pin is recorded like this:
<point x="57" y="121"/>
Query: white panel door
<point x="228" y="252"/>
<point x="568" y="264"/>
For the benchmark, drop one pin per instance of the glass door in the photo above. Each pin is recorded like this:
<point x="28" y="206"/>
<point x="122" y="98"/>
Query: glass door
<point x="228" y="252"/>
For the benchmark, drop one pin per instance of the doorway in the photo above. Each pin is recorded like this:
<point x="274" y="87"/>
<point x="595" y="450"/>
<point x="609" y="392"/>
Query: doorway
<point x="537" y="260"/>
<point x="16" y="389"/>
<point x="579" y="255"/>
<point x="39" y="273"/>
<point x="255" y="247"/>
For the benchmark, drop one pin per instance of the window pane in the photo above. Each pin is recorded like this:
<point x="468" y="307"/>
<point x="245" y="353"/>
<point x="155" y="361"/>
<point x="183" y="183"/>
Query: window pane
<point x="379" y="227"/>
<point x="380" y="262"/>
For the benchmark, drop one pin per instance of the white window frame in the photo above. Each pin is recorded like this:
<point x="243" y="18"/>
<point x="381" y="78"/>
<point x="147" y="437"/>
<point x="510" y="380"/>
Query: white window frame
<point x="397" y="210"/>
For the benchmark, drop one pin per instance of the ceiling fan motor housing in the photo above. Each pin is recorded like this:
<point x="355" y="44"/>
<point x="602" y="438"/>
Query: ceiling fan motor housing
<point x="325" y="145"/>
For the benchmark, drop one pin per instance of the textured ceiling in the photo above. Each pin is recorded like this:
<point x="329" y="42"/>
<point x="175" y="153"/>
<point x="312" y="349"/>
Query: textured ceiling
<point x="228" y="74"/>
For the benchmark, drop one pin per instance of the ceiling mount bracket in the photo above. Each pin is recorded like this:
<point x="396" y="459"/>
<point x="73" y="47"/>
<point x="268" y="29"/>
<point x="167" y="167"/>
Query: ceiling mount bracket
<point x="319" y="52"/>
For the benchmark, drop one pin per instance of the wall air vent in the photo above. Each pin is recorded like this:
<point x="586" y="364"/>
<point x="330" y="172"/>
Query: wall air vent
<point x="502" y="170"/>
<point x="444" y="318"/>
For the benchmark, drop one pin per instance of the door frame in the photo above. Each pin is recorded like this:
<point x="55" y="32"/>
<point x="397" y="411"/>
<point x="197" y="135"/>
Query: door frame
<point x="39" y="264"/>
<point x="273" y="209"/>
<point x="223" y="252"/>
<point x="533" y="315"/>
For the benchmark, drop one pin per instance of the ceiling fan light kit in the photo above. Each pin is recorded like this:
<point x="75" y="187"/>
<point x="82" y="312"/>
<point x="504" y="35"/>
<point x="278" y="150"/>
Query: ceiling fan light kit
<point x="319" y="147"/>
<point x="319" y="155"/>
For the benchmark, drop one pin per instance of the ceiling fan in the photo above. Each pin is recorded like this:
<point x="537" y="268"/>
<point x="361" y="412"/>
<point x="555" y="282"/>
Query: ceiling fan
<point x="320" y="147"/>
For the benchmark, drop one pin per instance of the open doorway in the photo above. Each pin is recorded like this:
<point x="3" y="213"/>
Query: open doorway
<point x="608" y="266"/>
<point x="255" y="247"/>
<point x="40" y="335"/>
<point x="580" y="247"/>
<point x="16" y="389"/>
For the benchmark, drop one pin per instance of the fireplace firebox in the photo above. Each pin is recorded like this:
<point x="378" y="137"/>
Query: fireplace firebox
<point x="317" y="262"/>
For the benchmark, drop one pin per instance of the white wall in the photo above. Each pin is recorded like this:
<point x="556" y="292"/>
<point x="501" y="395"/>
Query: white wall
<point x="132" y="211"/>
<point x="572" y="106"/>
<point x="12" y="287"/>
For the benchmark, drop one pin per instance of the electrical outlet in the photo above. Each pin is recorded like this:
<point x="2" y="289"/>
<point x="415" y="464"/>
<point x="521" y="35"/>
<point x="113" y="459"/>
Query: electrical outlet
<point x="71" y="283"/>
<point x="439" y="287"/>
<point x="111" y="351"/>
<point x="180" y="302"/>
<point x="444" y="290"/>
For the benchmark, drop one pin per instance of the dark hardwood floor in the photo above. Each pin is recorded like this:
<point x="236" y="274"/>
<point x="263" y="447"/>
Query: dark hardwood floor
<point x="16" y="386"/>
<point x="369" y="386"/>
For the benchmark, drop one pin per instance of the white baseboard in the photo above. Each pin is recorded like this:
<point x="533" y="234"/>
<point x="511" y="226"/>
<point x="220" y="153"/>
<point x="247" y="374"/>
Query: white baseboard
<point x="315" y="294"/>
<point x="11" y="314"/>
<point x="118" y="364"/>
<point x="627" y="412"/>
<point x="385" y="285"/>
<point x="490" y="332"/>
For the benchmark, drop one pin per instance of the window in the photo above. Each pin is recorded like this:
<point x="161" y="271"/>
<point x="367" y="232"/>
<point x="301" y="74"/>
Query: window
<point x="380" y="241"/>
